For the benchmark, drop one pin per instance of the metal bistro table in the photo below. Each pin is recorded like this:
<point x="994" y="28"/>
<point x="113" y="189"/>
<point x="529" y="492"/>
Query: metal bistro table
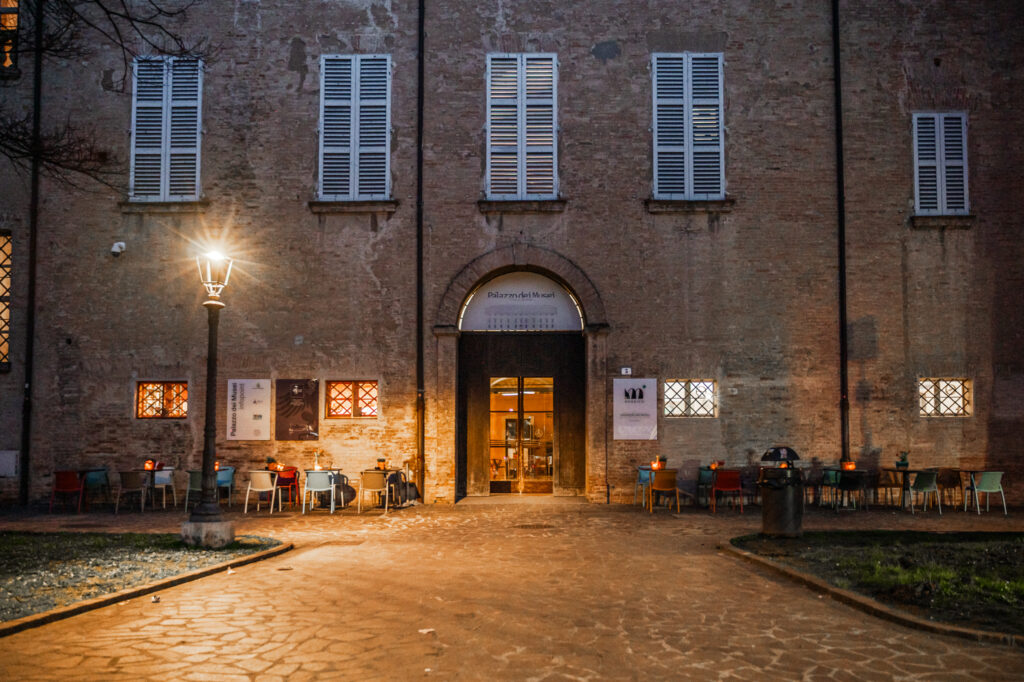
<point x="904" y="473"/>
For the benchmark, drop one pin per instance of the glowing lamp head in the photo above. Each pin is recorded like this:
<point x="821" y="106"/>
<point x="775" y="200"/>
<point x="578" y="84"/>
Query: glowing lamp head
<point x="849" y="466"/>
<point x="149" y="465"/>
<point x="214" y="272"/>
<point x="216" y="466"/>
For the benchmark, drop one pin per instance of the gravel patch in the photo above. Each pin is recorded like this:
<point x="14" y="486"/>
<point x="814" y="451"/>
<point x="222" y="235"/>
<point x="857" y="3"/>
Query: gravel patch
<point x="43" y="571"/>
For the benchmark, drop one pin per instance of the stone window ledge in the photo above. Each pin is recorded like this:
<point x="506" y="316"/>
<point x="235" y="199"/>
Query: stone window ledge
<point x="689" y="205"/>
<point x="489" y="206"/>
<point x="387" y="206"/>
<point x="942" y="222"/>
<point x="164" y="207"/>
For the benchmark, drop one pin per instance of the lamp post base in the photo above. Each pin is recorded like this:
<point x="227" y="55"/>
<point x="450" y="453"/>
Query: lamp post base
<point x="212" y="534"/>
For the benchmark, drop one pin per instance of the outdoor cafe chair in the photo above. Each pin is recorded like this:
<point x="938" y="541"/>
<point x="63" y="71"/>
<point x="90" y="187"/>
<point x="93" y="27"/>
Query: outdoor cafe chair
<point x="195" y="485"/>
<point x="261" y="482"/>
<point x="705" y="477"/>
<point x="164" y="479"/>
<point x="925" y="483"/>
<point x="372" y="481"/>
<point x="987" y="482"/>
<point x="726" y="481"/>
<point x="132" y="482"/>
<point x="829" y="487"/>
<point x="287" y="481"/>
<point x="663" y="481"/>
<point x="643" y="481"/>
<point x="890" y="483"/>
<point x="226" y="479"/>
<point x="950" y="485"/>
<point x="317" y="482"/>
<point x="66" y="483"/>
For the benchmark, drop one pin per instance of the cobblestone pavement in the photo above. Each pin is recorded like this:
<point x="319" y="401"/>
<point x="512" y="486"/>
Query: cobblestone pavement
<point x="498" y="591"/>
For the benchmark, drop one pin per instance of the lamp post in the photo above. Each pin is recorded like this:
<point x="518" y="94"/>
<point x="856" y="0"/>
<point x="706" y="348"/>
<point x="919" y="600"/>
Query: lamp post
<point x="205" y="526"/>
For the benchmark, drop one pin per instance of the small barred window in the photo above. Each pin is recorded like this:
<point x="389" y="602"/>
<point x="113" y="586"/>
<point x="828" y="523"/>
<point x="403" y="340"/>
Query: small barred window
<point x="350" y="399"/>
<point x="691" y="398"/>
<point x="8" y="38"/>
<point x="161" y="400"/>
<point x="944" y="397"/>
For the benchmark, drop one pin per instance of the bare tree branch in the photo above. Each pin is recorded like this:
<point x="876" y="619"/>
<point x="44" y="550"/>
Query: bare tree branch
<point x="74" y="29"/>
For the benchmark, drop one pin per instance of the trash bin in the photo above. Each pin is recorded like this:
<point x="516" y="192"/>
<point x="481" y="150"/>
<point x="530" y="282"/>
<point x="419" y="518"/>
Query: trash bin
<point x="782" y="502"/>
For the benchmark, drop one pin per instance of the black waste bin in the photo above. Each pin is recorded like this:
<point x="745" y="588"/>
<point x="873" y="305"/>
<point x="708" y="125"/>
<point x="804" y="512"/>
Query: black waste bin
<point x="782" y="502"/>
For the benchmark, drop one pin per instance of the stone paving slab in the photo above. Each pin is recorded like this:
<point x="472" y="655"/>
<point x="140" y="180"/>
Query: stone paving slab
<point x="517" y="591"/>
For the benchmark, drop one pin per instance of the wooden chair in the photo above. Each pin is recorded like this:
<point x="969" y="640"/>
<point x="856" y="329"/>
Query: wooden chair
<point x="727" y="481"/>
<point x="67" y="483"/>
<point x="662" y="482"/>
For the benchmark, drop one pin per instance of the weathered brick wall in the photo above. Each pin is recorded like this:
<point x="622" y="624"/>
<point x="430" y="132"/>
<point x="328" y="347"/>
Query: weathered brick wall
<point x="747" y="297"/>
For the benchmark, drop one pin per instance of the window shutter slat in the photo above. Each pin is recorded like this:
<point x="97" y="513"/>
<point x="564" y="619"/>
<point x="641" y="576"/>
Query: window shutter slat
<point x="147" y="129"/>
<point x="183" y="138"/>
<point x="954" y="156"/>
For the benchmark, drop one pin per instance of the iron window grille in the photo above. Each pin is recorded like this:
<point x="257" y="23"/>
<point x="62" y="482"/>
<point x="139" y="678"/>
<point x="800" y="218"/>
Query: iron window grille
<point x="9" y="38"/>
<point x="161" y="400"/>
<point x="6" y="257"/>
<point x="691" y="398"/>
<point x="351" y="399"/>
<point x="944" y="397"/>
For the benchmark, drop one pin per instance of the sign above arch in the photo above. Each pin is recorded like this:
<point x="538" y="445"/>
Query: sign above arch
<point x="520" y="302"/>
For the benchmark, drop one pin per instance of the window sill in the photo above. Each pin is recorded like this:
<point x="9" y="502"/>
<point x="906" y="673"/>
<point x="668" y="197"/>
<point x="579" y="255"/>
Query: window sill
<point x="387" y="206"/>
<point x="689" y="205"/>
<point x="942" y="222"/>
<point x="164" y="207"/>
<point x="490" y="206"/>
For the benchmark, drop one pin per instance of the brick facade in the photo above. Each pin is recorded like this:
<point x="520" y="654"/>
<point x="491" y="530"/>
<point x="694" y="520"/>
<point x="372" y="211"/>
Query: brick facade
<point x="743" y="292"/>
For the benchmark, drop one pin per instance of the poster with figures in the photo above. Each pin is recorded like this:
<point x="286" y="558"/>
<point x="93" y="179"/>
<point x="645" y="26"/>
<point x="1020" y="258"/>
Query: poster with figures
<point x="635" y="404"/>
<point x="298" y="412"/>
<point x="248" y="409"/>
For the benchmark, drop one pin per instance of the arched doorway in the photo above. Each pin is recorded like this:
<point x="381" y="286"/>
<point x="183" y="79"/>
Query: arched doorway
<point x="521" y="394"/>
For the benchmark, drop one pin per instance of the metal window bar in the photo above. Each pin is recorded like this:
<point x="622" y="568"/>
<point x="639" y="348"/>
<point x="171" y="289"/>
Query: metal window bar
<point x="690" y="398"/>
<point x="162" y="400"/>
<point x="6" y="263"/>
<point x="944" y="397"/>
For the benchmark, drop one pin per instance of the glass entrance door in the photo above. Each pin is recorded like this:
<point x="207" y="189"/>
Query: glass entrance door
<point x="521" y="438"/>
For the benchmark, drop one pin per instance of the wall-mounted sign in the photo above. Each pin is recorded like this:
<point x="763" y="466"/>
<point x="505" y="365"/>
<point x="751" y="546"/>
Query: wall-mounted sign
<point x="635" y="404"/>
<point x="248" y="409"/>
<point x="521" y="302"/>
<point x="298" y="409"/>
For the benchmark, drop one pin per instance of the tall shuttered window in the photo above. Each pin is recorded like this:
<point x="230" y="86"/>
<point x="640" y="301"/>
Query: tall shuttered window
<point x="522" y="126"/>
<point x="6" y="262"/>
<point x="940" y="164"/>
<point x="8" y="38"/>
<point x="166" y="129"/>
<point x="689" y="153"/>
<point x="355" y="127"/>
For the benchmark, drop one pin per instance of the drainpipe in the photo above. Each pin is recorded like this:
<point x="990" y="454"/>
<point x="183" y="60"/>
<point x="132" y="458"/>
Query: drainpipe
<point x="33" y="228"/>
<point x="844" y="374"/>
<point x="420" y="403"/>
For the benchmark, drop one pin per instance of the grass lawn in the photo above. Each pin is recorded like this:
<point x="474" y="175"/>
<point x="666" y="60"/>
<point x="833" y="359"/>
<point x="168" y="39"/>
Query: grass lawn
<point x="41" y="571"/>
<point x="967" y="579"/>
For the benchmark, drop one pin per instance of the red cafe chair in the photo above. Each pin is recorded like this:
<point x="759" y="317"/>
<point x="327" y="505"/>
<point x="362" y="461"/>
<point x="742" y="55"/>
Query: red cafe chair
<point x="67" y="483"/>
<point x="726" y="481"/>
<point x="287" y="480"/>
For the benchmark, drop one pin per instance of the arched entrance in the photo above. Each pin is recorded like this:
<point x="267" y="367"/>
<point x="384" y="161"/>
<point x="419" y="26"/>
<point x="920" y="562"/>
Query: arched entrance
<point x="446" y="455"/>
<point x="521" y="388"/>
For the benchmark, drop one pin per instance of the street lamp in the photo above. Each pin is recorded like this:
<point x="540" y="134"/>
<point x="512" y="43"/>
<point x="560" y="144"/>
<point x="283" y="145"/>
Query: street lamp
<point x="205" y="526"/>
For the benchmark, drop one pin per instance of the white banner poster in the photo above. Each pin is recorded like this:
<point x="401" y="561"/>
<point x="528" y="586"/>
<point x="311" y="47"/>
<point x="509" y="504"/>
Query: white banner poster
<point x="635" y="409"/>
<point x="249" y="409"/>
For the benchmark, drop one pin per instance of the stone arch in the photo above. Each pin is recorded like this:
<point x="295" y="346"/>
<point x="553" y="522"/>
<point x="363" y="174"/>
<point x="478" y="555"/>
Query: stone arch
<point x="521" y="257"/>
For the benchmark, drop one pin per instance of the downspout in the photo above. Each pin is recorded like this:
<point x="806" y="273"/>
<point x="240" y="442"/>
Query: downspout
<point x="844" y="374"/>
<point x="420" y="402"/>
<point x="33" y="228"/>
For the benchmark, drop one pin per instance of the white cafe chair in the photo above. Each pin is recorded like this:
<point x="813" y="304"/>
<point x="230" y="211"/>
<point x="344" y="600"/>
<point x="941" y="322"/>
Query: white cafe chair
<point x="317" y="482"/>
<point x="261" y="482"/>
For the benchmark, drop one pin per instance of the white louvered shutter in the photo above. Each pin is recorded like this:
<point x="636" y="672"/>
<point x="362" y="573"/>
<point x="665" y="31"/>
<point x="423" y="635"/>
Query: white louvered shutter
<point x="689" y="154"/>
<point x="166" y="129"/>
<point x="539" y="143"/>
<point x="147" y="153"/>
<point x="184" y="129"/>
<point x="940" y="164"/>
<point x="670" y="157"/>
<point x="522" y="115"/>
<point x="355" y="125"/>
